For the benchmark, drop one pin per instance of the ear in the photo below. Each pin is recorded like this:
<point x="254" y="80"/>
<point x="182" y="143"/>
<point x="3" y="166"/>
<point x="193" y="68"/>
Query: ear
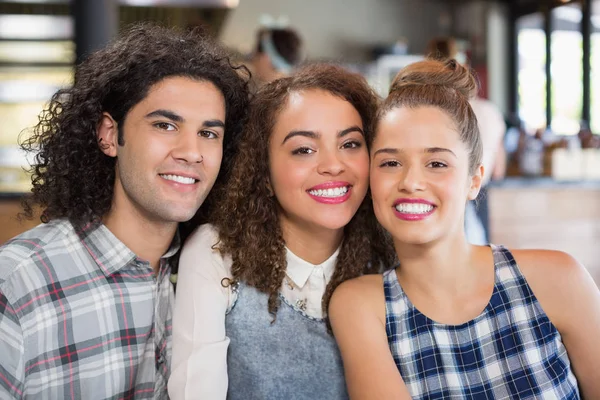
<point x="107" y="133"/>
<point x="476" y="181"/>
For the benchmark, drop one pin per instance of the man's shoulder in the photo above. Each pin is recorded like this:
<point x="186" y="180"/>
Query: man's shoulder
<point x="32" y="247"/>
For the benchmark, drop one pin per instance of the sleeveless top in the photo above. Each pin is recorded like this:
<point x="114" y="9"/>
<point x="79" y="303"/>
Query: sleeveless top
<point x="293" y="358"/>
<point x="510" y="351"/>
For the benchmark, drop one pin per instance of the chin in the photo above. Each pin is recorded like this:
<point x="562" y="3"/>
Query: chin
<point x="412" y="237"/>
<point x="178" y="215"/>
<point x="334" y="223"/>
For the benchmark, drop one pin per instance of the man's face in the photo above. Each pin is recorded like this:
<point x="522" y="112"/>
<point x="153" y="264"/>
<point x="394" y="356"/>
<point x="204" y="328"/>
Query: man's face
<point x="172" y="151"/>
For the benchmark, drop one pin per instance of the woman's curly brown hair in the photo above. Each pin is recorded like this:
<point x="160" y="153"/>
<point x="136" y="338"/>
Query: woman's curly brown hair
<point x="247" y="217"/>
<point x="72" y="178"/>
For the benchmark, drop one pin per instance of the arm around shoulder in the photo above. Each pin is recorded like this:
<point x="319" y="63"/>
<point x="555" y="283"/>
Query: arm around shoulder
<point x="357" y="316"/>
<point x="199" y="362"/>
<point x="571" y="299"/>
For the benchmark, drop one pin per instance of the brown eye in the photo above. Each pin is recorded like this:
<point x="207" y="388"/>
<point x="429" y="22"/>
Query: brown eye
<point x="437" y="164"/>
<point x="303" y="151"/>
<point x="165" y="126"/>
<point x="208" y="134"/>
<point x="352" y="144"/>
<point x="390" y="164"/>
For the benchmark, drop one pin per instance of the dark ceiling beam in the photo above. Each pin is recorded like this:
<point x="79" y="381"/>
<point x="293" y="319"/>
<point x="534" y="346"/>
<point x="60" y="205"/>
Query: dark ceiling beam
<point x="525" y="7"/>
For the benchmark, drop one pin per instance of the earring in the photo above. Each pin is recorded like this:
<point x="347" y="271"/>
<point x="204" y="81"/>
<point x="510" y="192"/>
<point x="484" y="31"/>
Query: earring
<point x="269" y="189"/>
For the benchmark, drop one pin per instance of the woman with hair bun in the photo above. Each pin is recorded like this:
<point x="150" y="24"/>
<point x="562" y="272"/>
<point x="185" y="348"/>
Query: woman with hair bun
<point x="292" y="223"/>
<point x="454" y="320"/>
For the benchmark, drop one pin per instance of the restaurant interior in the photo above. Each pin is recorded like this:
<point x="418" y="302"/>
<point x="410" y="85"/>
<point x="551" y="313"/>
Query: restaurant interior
<point x="538" y="61"/>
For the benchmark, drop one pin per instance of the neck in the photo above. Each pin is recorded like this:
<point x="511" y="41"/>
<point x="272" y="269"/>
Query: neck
<point x="441" y="268"/>
<point x="148" y="239"/>
<point x="312" y="245"/>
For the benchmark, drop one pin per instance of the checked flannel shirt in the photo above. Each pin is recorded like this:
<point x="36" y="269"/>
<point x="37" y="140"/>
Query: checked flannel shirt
<point x="81" y="317"/>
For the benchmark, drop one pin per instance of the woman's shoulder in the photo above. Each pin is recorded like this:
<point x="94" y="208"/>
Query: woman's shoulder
<point x="358" y="304"/>
<point x="537" y="263"/>
<point x="358" y="292"/>
<point x="546" y="264"/>
<point x="557" y="280"/>
<point x="201" y="255"/>
<point x="368" y="282"/>
<point x="202" y="235"/>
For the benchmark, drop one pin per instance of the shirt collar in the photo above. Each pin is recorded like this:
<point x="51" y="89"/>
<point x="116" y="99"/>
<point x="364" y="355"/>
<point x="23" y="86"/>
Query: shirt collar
<point x="109" y="252"/>
<point x="299" y="270"/>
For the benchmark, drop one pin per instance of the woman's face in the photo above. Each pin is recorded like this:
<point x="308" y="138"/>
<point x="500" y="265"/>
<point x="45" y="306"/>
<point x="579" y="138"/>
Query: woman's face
<point x="420" y="178"/>
<point x="318" y="160"/>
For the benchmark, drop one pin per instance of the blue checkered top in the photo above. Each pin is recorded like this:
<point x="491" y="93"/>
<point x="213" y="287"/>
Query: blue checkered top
<point x="510" y="351"/>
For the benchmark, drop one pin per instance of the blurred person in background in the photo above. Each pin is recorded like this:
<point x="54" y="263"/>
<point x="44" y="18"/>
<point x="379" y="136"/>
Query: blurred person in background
<point x="122" y="158"/>
<point x="277" y="51"/>
<point x="492" y="127"/>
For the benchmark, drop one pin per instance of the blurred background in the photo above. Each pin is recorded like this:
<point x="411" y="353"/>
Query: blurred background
<point x="538" y="62"/>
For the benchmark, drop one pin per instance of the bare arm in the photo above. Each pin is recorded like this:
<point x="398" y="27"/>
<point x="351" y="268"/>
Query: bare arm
<point x="357" y="315"/>
<point x="571" y="300"/>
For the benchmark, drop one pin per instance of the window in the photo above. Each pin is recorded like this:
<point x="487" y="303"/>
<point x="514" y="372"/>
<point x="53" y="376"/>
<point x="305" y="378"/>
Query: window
<point x="566" y="69"/>
<point x="595" y="68"/>
<point x="532" y="71"/>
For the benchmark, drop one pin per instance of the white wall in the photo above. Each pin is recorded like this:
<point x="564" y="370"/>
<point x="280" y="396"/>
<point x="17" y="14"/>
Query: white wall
<point x="485" y="25"/>
<point x="342" y="29"/>
<point x="498" y="52"/>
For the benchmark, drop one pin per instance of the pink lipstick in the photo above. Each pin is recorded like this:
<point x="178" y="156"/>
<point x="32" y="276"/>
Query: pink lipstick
<point x="332" y="192"/>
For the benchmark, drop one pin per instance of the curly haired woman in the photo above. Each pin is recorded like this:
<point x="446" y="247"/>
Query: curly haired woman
<point x="293" y="222"/>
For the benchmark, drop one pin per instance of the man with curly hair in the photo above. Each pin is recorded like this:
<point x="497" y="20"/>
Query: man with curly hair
<point x="123" y="156"/>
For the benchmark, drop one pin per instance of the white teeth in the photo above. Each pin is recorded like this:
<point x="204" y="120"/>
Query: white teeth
<point x="414" y="208"/>
<point x="179" y="179"/>
<point x="334" y="192"/>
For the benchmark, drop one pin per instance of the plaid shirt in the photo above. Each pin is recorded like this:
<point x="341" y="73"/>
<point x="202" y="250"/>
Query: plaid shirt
<point x="81" y="317"/>
<point x="510" y="351"/>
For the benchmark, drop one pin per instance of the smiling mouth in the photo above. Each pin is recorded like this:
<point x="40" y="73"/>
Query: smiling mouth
<point x="414" y="208"/>
<point x="179" y="179"/>
<point x="330" y="193"/>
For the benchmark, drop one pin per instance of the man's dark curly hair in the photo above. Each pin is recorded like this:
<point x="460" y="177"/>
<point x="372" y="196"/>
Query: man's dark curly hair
<point x="247" y="216"/>
<point x="72" y="178"/>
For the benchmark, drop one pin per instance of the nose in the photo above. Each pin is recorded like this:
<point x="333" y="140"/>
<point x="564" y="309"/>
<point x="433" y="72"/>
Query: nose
<point x="411" y="180"/>
<point x="330" y="163"/>
<point x="188" y="148"/>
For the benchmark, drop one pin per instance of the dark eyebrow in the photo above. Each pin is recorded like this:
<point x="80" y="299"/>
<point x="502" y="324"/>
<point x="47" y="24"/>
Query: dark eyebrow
<point x="166" y="114"/>
<point x="214" y="123"/>
<point x="308" y="134"/>
<point x="432" y="150"/>
<point x="354" y="128"/>
<point x="439" y="150"/>
<point x="387" y="150"/>
<point x="314" y="135"/>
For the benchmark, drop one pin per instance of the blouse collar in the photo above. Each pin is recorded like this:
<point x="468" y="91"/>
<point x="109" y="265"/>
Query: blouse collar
<point x="299" y="270"/>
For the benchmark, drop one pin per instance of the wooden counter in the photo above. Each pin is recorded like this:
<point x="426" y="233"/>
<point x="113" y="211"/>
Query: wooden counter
<point x="10" y="226"/>
<point x="541" y="213"/>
